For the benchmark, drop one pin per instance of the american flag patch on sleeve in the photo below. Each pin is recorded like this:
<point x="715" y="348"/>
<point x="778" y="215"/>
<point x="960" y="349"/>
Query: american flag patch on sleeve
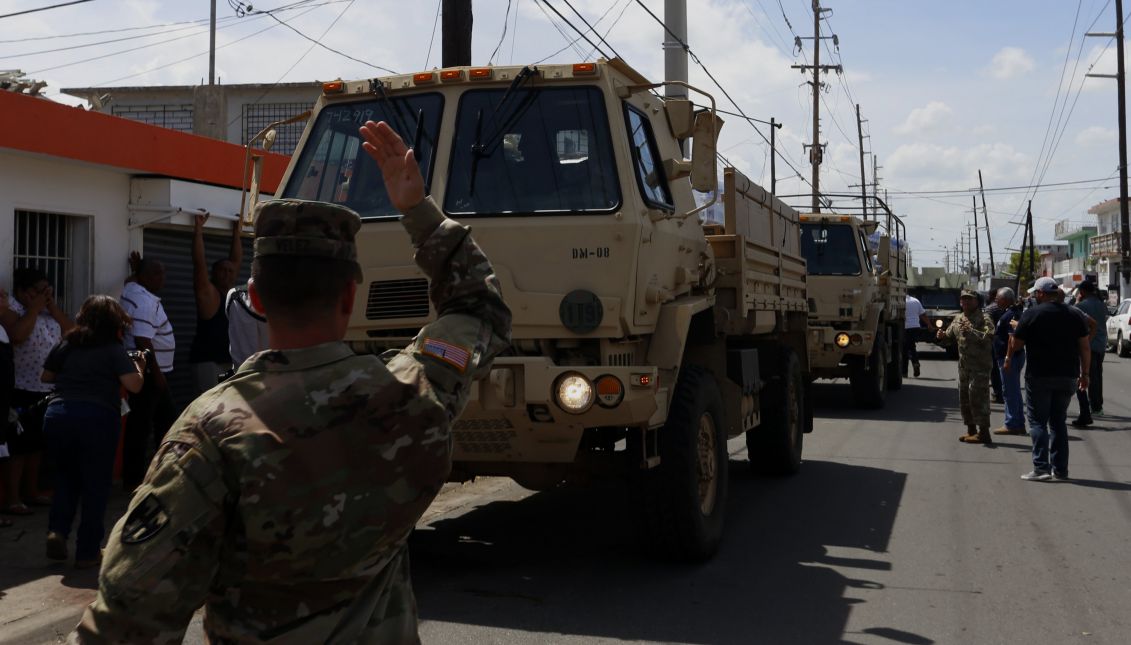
<point x="447" y="352"/>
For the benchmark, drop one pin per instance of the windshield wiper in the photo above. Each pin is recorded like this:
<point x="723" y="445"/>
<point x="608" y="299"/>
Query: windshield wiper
<point x="478" y="149"/>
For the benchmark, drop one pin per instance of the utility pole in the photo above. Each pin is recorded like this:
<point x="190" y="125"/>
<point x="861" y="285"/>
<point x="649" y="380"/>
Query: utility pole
<point x="212" y="47"/>
<point x="1121" y="93"/>
<point x="863" y="177"/>
<point x="455" y="38"/>
<point x="977" y="243"/>
<point x="1032" y="245"/>
<point x="675" y="56"/>
<point x="986" y="220"/>
<point x="816" y="150"/>
<point x="774" y="126"/>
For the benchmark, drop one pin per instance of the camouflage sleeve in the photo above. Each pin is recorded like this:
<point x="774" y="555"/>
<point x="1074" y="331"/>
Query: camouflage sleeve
<point x="472" y="323"/>
<point x="161" y="557"/>
<point x="951" y="333"/>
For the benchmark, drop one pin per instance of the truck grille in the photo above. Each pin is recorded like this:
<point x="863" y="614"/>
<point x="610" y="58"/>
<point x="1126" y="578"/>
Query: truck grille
<point x="397" y="299"/>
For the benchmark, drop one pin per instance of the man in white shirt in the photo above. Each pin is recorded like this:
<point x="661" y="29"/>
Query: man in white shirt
<point x="151" y="410"/>
<point x="247" y="327"/>
<point x="914" y="324"/>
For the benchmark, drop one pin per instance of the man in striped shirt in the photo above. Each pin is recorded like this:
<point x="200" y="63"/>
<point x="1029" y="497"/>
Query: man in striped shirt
<point x="151" y="410"/>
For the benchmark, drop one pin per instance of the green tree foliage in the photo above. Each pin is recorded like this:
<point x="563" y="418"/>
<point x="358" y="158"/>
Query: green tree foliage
<point x="1019" y="265"/>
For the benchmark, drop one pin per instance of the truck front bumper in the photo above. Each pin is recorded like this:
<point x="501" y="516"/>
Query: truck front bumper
<point x="514" y="415"/>
<point x="828" y="347"/>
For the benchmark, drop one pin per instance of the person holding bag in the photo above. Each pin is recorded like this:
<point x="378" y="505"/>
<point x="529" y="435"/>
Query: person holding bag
<point x="83" y="420"/>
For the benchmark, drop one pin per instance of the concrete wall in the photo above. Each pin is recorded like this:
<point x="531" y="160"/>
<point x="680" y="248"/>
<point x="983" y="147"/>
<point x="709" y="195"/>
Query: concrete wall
<point x="35" y="183"/>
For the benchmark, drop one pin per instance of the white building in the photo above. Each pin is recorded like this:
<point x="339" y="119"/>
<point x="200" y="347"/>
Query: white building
<point x="80" y="190"/>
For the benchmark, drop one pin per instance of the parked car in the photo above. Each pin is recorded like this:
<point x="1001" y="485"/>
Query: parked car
<point x="1119" y="330"/>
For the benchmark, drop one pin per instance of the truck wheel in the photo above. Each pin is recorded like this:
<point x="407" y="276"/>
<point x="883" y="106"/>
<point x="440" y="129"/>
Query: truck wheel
<point x="895" y="365"/>
<point x="868" y="378"/>
<point x="682" y="501"/>
<point x="952" y="353"/>
<point x="775" y="446"/>
<point x="1122" y="347"/>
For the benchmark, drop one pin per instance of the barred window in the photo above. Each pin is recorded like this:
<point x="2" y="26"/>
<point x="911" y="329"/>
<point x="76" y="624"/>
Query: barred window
<point x="59" y="245"/>
<point x="173" y="116"/>
<point x="260" y="115"/>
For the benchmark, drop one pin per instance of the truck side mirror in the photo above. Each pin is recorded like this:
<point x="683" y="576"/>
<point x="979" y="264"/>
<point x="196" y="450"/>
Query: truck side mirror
<point x="704" y="167"/>
<point x="681" y="117"/>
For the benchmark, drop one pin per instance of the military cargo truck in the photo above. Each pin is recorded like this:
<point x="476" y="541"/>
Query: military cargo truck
<point x="857" y="298"/>
<point x="941" y="306"/>
<point x="642" y="339"/>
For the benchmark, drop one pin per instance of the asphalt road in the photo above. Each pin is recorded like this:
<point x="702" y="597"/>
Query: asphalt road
<point x="893" y="532"/>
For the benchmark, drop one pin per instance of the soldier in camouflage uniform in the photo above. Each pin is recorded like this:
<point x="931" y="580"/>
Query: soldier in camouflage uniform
<point x="281" y="500"/>
<point x="973" y="332"/>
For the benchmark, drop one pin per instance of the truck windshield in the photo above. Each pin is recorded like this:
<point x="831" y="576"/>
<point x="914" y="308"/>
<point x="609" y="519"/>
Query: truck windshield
<point x="544" y="150"/>
<point x="830" y="249"/>
<point x="332" y="167"/>
<point x="938" y="299"/>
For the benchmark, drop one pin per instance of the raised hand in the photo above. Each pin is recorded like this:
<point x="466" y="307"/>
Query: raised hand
<point x="397" y="162"/>
<point x="199" y="219"/>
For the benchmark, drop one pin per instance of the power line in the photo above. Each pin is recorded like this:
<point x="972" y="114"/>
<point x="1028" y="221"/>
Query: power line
<point x="295" y="64"/>
<point x="594" y="30"/>
<point x="573" y="27"/>
<point x="54" y="6"/>
<point x="711" y="76"/>
<point x="506" y="19"/>
<point x="432" y="38"/>
<point x="1002" y="188"/>
<point x="323" y="46"/>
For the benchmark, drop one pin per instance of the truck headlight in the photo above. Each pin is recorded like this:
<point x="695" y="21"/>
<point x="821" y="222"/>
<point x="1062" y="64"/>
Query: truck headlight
<point x="841" y="340"/>
<point x="574" y="393"/>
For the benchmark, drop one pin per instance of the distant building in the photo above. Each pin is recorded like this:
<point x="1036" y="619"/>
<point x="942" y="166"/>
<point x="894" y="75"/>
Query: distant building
<point x="80" y="190"/>
<point x="1104" y="247"/>
<point x="1079" y="261"/>
<point x="232" y="113"/>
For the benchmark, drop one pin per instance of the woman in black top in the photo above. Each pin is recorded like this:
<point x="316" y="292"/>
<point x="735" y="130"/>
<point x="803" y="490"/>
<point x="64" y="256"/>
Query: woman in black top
<point x="89" y="368"/>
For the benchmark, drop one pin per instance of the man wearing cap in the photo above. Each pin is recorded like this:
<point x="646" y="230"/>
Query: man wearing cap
<point x="972" y="331"/>
<point x="282" y="499"/>
<point x="1092" y="399"/>
<point x="1056" y="342"/>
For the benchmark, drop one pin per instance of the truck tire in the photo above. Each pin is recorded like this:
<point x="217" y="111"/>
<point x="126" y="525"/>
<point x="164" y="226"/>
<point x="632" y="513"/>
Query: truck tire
<point x="952" y="353"/>
<point x="682" y="501"/>
<point x="868" y="379"/>
<point x="774" y="447"/>
<point x="1122" y="347"/>
<point x="895" y="365"/>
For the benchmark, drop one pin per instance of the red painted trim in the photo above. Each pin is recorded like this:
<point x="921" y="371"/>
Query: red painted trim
<point x="44" y="127"/>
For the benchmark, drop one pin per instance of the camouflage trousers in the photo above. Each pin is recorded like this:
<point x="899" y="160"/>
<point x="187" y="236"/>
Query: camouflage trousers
<point x="974" y="397"/>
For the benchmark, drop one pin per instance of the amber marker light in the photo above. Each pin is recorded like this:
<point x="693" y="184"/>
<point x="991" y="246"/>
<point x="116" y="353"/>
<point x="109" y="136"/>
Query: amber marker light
<point x="610" y="391"/>
<point x="451" y="75"/>
<point x="480" y="74"/>
<point x="333" y="87"/>
<point x="424" y="78"/>
<point x="584" y="69"/>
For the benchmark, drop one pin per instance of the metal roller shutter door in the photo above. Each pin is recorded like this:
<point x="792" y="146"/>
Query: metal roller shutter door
<point x="173" y="247"/>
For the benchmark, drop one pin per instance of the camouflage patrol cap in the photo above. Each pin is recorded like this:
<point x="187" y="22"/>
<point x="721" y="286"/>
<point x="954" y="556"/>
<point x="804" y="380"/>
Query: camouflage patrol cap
<point x="298" y="227"/>
<point x="968" y="293"/>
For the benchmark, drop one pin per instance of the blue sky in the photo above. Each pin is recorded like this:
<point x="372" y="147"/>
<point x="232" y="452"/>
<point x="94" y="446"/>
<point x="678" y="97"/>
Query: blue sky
<point x="946" y="87"/>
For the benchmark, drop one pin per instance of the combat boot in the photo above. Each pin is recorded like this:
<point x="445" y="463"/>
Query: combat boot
<point x="983" y="437"/>
<point x="971" y="432"/>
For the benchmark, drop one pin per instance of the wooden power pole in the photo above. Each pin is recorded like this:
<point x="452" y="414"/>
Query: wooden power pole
<point x="816" y="151"/>
<point x="986" y="221"/>
<point x="456" y="33"/>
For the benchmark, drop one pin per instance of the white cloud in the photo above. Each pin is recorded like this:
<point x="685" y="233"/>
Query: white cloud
<point x="930" y="118"/>
<point x="1095" y="136"/>
<point x="1010" y="62"/>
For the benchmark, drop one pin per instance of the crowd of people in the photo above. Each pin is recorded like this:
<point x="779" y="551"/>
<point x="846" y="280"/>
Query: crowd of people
<point x="79" y="396"/>
<point x="1058" y="347"/>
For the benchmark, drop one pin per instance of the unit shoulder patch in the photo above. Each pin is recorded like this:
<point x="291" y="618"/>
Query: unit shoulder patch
<point x="145" y="521"/>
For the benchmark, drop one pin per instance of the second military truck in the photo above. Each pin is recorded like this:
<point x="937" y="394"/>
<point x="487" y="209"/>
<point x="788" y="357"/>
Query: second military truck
<point x="857" y="298"/>
<point x="642" y="339"/>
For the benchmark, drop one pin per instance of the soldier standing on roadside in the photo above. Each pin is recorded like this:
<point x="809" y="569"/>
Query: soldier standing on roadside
<point x="972" y="332"/>
<point x="282" y="499"/>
